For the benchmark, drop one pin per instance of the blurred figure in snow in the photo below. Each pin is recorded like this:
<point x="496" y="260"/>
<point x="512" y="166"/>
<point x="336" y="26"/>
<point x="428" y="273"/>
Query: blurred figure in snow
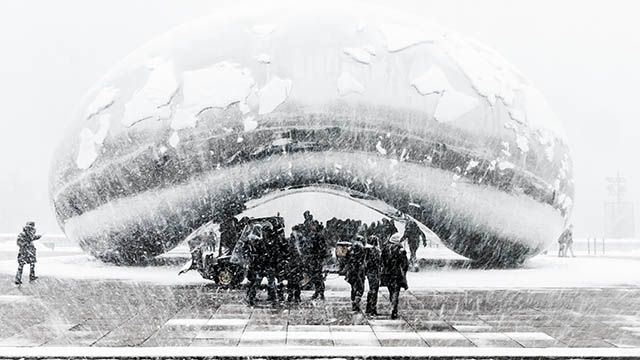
<point x="294" y="265"/>
<point x="27" y="251"/>
<point x="355" y="271"/>
<point x="262" y="262"/>
<point x="373" y="260"/>
<point x="567" y="236"/>
<point x="413" y="235"/>
<point x="314" y="253"/>
<point x="562" y="243"/>
<point x="394" y="271"/>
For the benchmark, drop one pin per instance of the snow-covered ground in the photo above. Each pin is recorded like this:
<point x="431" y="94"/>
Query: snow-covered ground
<point x="544" y="271"/>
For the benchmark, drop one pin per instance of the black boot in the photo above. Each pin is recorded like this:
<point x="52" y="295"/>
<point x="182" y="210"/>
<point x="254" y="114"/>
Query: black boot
<point x="355" y="304"/>
<point x="32" y="272"/>
<point x="19" y="275"/>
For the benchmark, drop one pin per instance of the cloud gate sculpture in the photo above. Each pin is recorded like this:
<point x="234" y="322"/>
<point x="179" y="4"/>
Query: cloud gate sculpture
<point x="242" y="103"/>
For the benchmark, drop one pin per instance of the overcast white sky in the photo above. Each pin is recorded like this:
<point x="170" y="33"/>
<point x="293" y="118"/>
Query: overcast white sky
<point x="583" y="55"/>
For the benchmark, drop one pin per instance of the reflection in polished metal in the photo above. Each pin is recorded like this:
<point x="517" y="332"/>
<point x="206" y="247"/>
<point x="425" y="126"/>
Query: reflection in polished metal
<point x="236" y="105"/>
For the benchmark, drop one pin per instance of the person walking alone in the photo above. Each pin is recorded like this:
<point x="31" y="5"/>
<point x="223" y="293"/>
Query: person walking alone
<point x="414" y="236"/>
<point x="373" y="259"/>
<point x="27" y="251"/>
<point x="355" y="271"/>
<point x="394" y="271"/>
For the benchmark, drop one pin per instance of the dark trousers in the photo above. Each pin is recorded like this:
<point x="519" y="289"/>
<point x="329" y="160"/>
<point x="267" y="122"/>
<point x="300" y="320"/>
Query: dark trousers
<point x="294" y="277"/>
<point x="357" y="289"/>
<point x="255" y="278"/>
<point x="394" y="297"/>
<point x="293" y="288"/>
<point x="372" y="295"/>
<point x="317" y="279"/>
<point x="413" y="249"/>
<point x="32" y="271"/>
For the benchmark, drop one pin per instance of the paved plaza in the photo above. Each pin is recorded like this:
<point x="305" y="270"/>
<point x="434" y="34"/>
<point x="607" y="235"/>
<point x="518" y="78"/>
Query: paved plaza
<point x="89" y="313"/>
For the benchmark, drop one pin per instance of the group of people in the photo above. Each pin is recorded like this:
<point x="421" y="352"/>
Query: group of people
<point x="268" y="254"/>
<point x="565" y="242"/>
<point x="339" y="230"/>
<point x="375" y="254"/>
<point x="382" y="262"/>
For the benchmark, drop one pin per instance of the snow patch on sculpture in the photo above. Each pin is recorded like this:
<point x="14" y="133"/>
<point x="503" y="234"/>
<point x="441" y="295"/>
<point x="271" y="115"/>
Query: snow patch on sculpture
<point x="360" y="54"/>
<point x="454" y="104"/>
<point x="174" y="140"/>
<point x="489" y="74"/>
<point x="472" y="164"/>
<point x="347" y="84"/>
<point x="539" y="114"/>
<point x="523" y="143"/>
<point x="434" y="81"/>
<point x="217" y="86"/>
<point x="105" y="98"/>
<point x="504" y="165"/>
<point x="90" y="143"/>
<point x="250" y="123"/>
<point x="399" y="37"/>
<point x="274" y="93"/>
<point x="152" y="101"/>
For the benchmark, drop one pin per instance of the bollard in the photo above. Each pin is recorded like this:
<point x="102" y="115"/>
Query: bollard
<point x="588" y="246"/>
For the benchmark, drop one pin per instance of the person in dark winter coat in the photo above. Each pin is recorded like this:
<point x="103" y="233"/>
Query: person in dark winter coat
<point x="295" y="267"/>
<point x="261" y="262"/>
<point x="413" y="235"/>
<point x="355" y="271"/>
<point x="394" y="271"/>
<point x="373" y="259"/>
<point x="27" y="251"/>
<point x="314" y="253"/>
<point x="280" y="254"/>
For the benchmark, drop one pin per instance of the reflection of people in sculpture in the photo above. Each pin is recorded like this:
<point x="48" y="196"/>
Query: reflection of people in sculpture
<point x="27" y="252"/>
<point x="561" y="245"/>
<point x="229" y="233"/>
<point x="199" y="244"/>
<point x="413" y="235"/>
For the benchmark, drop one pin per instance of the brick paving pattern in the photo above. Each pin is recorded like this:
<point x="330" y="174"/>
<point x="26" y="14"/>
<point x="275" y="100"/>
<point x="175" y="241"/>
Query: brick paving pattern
<point x="55" y="312"/>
